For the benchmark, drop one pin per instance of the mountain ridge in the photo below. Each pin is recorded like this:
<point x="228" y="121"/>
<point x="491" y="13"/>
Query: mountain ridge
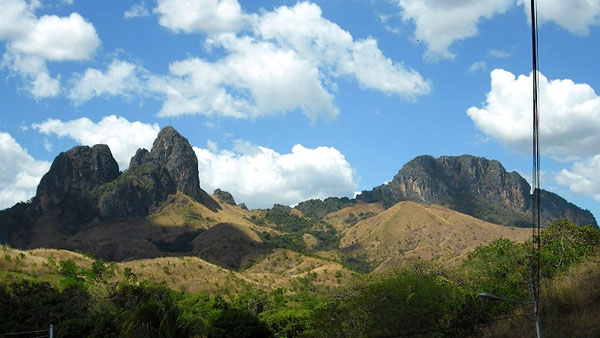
<point x="475" y="186"/>
<point x="156" y="208"/>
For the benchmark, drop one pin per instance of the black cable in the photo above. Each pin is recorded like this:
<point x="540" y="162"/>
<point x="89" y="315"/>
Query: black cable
<point x="21" y="333"/>
<point x="536" y="221"/>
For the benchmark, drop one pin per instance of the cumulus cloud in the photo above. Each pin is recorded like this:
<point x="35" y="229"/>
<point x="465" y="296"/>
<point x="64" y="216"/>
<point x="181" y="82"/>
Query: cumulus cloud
<point x="569" y="115"/>
<point x="137" y="11"/>
<point x="289" y="60"/>
<point x="31" y="41"/>
<point x="583" y="178"/>
<point x="208" y="16"/>
<point x="441" y="23"/>
<point x="575" y="16"/>
<point x="122" y="136"/>
<point x="255" y="79"/>
<point x="120" y="78"/>
<point x="569" y="124"/>
<point x="335" y="52"/>
<point x="19" y="172"/>
<point x="260" y="177"/>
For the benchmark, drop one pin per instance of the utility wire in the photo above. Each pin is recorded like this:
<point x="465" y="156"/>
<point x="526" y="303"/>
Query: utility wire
<point x="535" y="222"/>
<point x="22" y="333"/>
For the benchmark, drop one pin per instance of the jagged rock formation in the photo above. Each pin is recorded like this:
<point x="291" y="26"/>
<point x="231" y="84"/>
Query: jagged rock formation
<point x="84" y="185"/>
<point x="75" y="173"/>
<point x="152" y="176"/>
<point x="224" y="196"/>
<point x="475" y="186"/>
<point x="176" y="154"/>
<point x="138" y="192"/>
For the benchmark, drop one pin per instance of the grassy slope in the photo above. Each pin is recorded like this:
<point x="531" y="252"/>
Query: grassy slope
<point x="190" y="274"/>
<point x="409" y="231"/>
<point x="569" y="307"/>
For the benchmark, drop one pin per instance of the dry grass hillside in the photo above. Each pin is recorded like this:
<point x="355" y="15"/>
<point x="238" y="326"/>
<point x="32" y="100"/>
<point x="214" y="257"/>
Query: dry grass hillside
<point x="345" y="218"/>
<point x="279" y="269"/>
<point x="569" y="307"/>
<point x="282" y="267"/>
<point x="409" y="231"/>
<point x="183" y="210"/>
<point x="169" y="231"/>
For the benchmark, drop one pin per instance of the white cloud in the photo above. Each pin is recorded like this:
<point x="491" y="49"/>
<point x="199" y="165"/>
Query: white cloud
<point x="440" y="23"/>
<point x="575" y="16"/>
<point x="137" y="11"/>
<point x="19" y="172"/>
<point x="31" y="41"/>
<point x="44" y="86"/>
<point x="254" y="80"/>
<point x="499" y="53"/>
<point x="122" y="136"/>
<point x="56" y="38"/>
<point x="260" y="177"/>
<point x="208" y="16"/>
<point x="583" y="178"/>
<point x="478" y="66"/>
<point x="121" y="78"/>
<point x="291" y="60"/>
<point x="335" y="52"/>
<point x="569" y="115"/>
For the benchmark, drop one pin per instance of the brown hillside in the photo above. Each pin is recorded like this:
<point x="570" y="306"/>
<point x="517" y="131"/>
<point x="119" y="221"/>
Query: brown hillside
<point x="230" y="245"/>
<point x="342" y="220"/>
<point x="280" y="269"/>
<point x="409" y="231"/>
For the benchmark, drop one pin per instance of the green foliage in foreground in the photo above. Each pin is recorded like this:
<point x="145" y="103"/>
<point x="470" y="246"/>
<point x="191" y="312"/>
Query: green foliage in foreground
<point x="422" y="300"/>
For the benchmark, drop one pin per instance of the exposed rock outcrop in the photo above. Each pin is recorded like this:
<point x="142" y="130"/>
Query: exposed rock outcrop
<point x="176" y="154"/>
<point x="152" y="176"/>
<point x="475" y="186"/>
<point x="75" y="173"/>
<point x="224" y="196"/>
<point x="138" y="192"/>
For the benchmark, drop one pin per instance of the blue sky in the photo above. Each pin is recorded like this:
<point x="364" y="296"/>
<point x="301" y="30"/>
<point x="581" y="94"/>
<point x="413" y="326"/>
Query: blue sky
<point x="285" y="101"/>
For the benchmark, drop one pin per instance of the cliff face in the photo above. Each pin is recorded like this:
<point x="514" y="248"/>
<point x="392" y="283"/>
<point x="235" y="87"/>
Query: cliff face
<point x="75" y="173"/>
<point x="175" y="153"/>
<point x="473" y="185"/>
<point x="152" y="176"/>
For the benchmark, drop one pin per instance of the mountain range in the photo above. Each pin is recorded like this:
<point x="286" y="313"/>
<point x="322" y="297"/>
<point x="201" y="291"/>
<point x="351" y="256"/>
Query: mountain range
<point x="432" y="209"/>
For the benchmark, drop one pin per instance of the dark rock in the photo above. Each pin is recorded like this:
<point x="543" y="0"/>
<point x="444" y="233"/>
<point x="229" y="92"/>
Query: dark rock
<point x="139" y="191"/>
<point x="473" y="185"/>
<point x="243" y="206"/>
<point x="554" y="207"/>
<point x="142" y="156"/>
<point x="224" y="196"/>
<point x="153" y="176"/>
<point x="175" y="152"/>
<point x="75" y="173"/>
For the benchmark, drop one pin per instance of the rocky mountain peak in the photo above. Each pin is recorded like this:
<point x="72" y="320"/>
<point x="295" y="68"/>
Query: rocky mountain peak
<point x="76" y="172"/>
<point x="176" y="154"/>
<point x="472" y="185"/>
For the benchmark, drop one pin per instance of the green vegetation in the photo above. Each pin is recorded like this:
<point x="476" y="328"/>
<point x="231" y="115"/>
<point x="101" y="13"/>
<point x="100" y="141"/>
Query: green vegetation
<point x="292" y="228"/>
<point x="419" y="300"/>
<point x="318" y="209"/>
<point x="352" y="219"/>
